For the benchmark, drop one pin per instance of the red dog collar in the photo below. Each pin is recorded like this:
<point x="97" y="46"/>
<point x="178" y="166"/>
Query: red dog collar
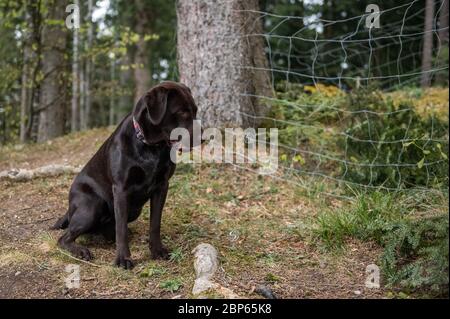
<point x="139" y="132"/>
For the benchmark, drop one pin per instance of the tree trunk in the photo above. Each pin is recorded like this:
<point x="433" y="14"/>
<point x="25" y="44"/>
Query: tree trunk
<point x="141" y="70"/>
<point x="329" y="9"/>
<point x="88" y="74"/>
<point x="427" y="50"/>
<point x="82" y="100"/>
<point x="52" y="90"/>
<point x="25" y="98"/>
<point x="27" y="83"/>
<point x="442" y="57"/>
<point x="75" y="120"/>
<point x="126" y="96"/>
<point x="112" y="99"/>
<point x="443" y="22"/>
<point x="226" y="70"/>
<point x="31" y="64"/>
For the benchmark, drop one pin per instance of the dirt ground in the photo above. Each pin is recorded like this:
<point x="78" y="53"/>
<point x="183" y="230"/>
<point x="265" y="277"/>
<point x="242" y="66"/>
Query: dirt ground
<point x="258" y="224"/>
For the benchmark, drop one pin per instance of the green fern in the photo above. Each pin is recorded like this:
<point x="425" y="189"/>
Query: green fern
<point x="415" y="250"/>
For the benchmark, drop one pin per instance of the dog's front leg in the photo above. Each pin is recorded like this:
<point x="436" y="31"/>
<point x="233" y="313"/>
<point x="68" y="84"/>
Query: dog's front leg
<point x="123" y="256"/>
<point x="157" y="202"/>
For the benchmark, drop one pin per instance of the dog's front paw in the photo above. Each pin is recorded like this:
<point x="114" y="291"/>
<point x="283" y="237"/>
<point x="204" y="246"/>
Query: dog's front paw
<point x="124" y="261"/>
<point x="159" y="252"/>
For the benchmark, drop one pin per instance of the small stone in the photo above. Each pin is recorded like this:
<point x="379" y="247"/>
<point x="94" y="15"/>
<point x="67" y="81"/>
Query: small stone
<point x="17" y="273"/>
<point x="266" y="292"/>
<point x="357" y="292"/>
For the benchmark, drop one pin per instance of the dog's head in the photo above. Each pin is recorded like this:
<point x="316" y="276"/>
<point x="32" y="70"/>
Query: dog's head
<point x="165" y="107"/>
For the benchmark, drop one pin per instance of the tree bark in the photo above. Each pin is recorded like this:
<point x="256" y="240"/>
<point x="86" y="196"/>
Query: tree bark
<point x="443" y="22"/>
<point x="112" y="99"/>
<point x="88" y="73"/>
<point x="82" y="100"/>
<point x="221" y="57"/>
<point x="52" y="90"/>
<point x="329" y="9"/>
<point x="142" y="76"/>
<point x="427" y="50"/>
<point x="442" y="56"/>
<point x="126" y="94"/>
<point x="75" y="119"/>
<point x="27" y="83"/>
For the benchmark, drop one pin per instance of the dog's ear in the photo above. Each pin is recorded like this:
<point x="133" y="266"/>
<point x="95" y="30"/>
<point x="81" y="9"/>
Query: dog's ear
<point x="156" y="102"/>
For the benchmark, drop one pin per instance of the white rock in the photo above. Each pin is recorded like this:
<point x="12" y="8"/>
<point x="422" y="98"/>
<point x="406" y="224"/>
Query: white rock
<point x="205" y="263"/>
<point x="202" y="285"/>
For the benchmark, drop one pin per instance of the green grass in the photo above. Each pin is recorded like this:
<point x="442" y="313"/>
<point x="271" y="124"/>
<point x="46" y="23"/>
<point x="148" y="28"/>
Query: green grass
<point x="267" y="231"/>
<point x="171" y="285"/>
<point x="152" y="270"/>
<point x="269" y="259"/>
<point x="415" y="247"/>
<point x="176" y="255"/>
<point x="365" y="220"/>
<point x="271" y="278"/>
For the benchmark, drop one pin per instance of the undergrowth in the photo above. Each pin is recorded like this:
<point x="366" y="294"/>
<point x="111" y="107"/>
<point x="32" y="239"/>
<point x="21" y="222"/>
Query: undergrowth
<point x="415" y="241"/>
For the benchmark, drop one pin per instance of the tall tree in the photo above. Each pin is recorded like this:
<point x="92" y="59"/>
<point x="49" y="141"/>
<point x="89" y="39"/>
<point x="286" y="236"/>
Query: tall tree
<point x="221" y="58"/>
<point x="443" y="22"/>
<point x="75" y="114"/>
<point x="112" y="99"/>
<point x="87" y="77"/>
<point x="81" y="90"/>
<point x="141" y="70"/>
<point x="125" y="83"/>
<point x="52" y="89"/>
<point x="442" y="55"/>
<point x="147" y="33"/>
<point x="427" y="50"/>
<point x="30" y="40"/>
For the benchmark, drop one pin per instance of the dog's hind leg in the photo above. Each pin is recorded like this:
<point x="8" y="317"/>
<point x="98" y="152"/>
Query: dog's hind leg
<point x="80" y="223"/>
<point x="62" y="222"/>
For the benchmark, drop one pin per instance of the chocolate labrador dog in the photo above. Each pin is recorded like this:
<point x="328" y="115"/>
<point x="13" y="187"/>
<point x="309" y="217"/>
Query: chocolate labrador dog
<point x="131" y="167"/>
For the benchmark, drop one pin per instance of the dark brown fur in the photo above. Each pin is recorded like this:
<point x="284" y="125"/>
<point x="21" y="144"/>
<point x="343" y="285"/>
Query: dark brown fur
<point x="125" y="173"/>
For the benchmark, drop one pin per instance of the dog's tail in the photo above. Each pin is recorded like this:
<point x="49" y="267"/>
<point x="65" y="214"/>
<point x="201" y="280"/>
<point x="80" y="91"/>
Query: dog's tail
<point x="62" y="222"/>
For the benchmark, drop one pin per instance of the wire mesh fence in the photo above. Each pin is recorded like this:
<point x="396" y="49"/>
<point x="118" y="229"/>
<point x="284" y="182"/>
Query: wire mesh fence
<point x="348" y="104"/>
